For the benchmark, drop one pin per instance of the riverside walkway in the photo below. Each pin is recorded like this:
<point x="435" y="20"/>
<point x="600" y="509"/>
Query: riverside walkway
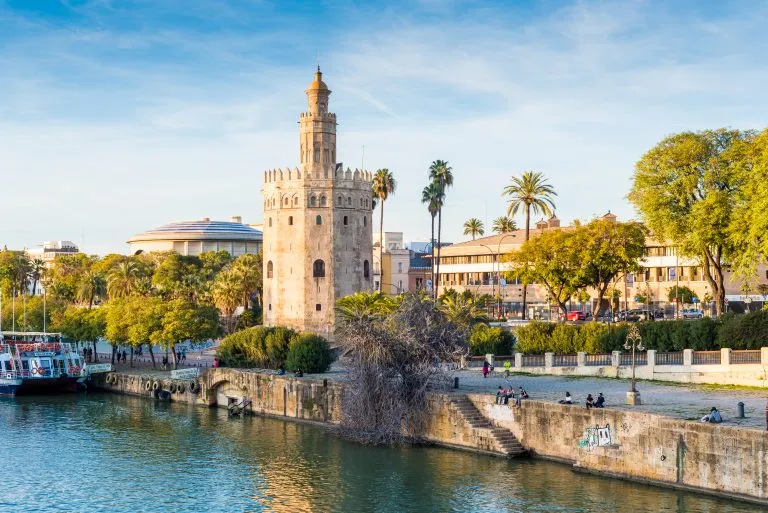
<point x="680" y="401"/>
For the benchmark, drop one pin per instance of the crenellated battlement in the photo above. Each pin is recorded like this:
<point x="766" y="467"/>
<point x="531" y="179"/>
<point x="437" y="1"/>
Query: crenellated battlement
<point x="337" y="173"/>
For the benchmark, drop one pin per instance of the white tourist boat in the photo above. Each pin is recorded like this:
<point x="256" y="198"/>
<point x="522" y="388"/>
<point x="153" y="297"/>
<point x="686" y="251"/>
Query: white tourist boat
<point x="36" y="363"/>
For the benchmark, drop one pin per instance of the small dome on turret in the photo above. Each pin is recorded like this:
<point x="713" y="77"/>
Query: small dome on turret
<point x="318" y="84"/>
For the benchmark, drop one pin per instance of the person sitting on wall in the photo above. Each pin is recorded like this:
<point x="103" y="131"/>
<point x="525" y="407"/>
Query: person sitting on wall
<point x="509" y="393"/>
<point x="299" y="373"/>
<point x="590" y="402"/>
<point x="600" y="402"/>
<point x="713" y="416"/>
<point x="281" y="370"/>
<point x="568" y="399"/>
<point x="499" y="395"/>
<point x="521" y="394"/>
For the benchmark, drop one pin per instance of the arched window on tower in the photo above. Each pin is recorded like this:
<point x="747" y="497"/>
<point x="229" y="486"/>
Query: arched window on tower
<point x="340" y="201"/>
<point x="290" y="220"/>
<point x="269" y="269"/>
<point x="295" y="201"/>
<point x="312" y="201"/>
<point x="349" y="201"/>
<point x="365" y="221"/>
<point x="366" y="269"/>
<point x="361" y="202"/>
<point x="319" y="220"/>
<point x="270" y="222"/>
<point x="318" y="269"/>
<point x="323" y="201"/>
<point x="346" y="220"/>
<point x="285" y="201"/>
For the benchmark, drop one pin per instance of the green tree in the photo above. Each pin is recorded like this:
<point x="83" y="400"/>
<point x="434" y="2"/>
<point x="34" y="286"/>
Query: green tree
<point x="249" y="271"/>
<point x="83" y="325"/>
<point x="91" y="287"/>
<point x="363" y="305"/>
<point x="36" y="270"/>
<point x="682" y="294"/>
<point x="383" y="185"/>
<point x="607" y="250"/>
<point x="118" y="317"/>
<point x="146" y="323"/>
<point x="474" y="227"/>
<point x="66" y="275"/>
<point x="183" y="321"/>
<point x="462" y="310"/>
<point x="504" y="224"/>
<point x="529" y="192"/>
<point x="432" y="195"/>
<point x="14" y="272"/>
<point x="227" y="295"/>
<point x="178" y="277"/>
<point x="552" y="260"/>
<point x="687" y="188"/>
<point x="122" y="279"/>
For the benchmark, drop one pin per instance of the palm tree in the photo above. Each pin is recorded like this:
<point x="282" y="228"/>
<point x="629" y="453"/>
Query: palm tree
<point x="361" y="306"/>
<point x="227" y="293"/>
<point x="383" y="185"/>
<point x="36" y="269"/>
<point x="441" y="174"/>
<point x="248" y="270"/>
<point x="474" y="227"/>
<point x="122" y="279"/>
<point x="432" y="196"/>
<point x="530" y="192"/>
<point x="504" y="224"/>
<point x="91" y="286"/>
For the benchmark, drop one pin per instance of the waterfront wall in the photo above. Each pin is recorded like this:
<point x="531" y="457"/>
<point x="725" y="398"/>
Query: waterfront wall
<point x="723" y="367"/>
<point x="635" y="445"/>
<point x="640" y="446"/>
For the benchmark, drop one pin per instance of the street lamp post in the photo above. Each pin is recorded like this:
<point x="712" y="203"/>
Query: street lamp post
<point x="497" y="262"/>
<point x="634" y="342"/>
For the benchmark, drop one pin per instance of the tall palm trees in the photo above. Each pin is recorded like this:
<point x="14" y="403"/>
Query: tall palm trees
<point x="432" y="196"/>
<point x="504" y="224"/>
<point x="91" y="286"/>
<point x="441" y="175"/>
<point x="529" y="192"/>
<point x="122" y="279"/>
<point x="36" y="269"/>
<point x="474" y="227"/>
<point x="383" y="185"/>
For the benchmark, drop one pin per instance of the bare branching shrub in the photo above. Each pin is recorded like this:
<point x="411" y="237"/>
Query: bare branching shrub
<point x="395" y="356"/>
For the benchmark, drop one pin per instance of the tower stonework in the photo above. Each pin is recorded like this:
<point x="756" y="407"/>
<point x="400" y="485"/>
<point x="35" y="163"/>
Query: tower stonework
<point x="316" y="225"/>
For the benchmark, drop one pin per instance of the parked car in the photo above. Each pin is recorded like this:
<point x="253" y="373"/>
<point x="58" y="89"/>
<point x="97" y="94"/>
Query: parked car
<point x="576" y="316"/>
<point x="691" y="313"/>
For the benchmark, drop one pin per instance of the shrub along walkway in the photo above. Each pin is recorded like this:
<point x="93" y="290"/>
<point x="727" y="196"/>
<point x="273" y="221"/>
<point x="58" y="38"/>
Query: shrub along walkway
<point x="679" y="401"/>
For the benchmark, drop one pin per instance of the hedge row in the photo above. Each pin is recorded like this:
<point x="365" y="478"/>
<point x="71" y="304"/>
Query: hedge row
<point x="263" y="347"/>
<point x="487" y="340"/>
<point x="747" y="331"/>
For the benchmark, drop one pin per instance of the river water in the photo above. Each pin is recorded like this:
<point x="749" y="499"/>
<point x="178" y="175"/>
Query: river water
<point x="107" y="453"/>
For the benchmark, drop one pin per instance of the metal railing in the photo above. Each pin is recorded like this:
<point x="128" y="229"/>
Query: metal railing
<point x="749" y="356"/>
<point x="669" y="358"/>
<point x="533" y="360"/>
<point x="598" y="360"/>
<point x="46" y="373"/>
<point x="626" y="359"/>
<point x="565" y="360"/>
<point x="706" y="358"/>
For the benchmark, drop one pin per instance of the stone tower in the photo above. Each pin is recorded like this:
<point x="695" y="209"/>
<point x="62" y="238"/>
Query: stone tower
<point x="317" y="227"/>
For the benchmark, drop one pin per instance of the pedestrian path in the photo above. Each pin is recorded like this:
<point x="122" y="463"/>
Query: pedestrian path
<point x="679" y="401"/>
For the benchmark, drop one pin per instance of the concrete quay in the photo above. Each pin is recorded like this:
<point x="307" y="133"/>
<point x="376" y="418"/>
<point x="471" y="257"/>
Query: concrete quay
<point x="639" y="446"/>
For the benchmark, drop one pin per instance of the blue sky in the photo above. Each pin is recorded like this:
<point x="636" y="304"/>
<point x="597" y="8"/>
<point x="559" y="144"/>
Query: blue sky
<point x="120" y="115"/>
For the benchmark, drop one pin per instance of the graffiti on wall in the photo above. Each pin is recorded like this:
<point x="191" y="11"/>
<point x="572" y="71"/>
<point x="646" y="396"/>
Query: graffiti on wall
<point x="596" y="437"/>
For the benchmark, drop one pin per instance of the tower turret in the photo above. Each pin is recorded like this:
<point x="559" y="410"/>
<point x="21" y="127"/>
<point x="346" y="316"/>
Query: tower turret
<point x="318" y="127"/>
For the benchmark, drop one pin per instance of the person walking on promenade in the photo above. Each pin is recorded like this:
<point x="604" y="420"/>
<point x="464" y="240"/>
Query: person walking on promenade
<point x="486" y="368"/>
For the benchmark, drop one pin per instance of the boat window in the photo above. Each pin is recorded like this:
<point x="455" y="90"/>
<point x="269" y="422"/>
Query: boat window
<point x="25" y="365"/>
<point x="7" y="365"/>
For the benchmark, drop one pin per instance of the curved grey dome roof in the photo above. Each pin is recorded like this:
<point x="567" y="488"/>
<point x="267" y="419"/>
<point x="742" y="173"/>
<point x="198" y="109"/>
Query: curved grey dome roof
<point x="201" y="230"/>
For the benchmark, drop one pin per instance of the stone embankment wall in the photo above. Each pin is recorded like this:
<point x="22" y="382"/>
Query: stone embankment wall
<point x="638" y="446"/>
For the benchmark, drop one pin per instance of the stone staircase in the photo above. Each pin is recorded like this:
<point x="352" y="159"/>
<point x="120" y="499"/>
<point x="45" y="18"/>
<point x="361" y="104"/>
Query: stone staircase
<point x="501" y="440"/>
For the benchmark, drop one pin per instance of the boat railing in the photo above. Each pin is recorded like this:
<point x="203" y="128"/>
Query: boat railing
<point x="34" y="347"/>
<point x="41" y="372"/>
